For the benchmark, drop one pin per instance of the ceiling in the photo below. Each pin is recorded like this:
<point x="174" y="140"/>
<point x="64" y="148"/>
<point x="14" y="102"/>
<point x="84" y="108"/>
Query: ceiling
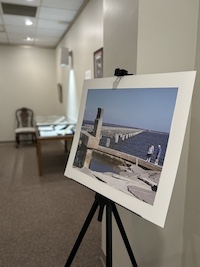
<point x="50" y="21"/>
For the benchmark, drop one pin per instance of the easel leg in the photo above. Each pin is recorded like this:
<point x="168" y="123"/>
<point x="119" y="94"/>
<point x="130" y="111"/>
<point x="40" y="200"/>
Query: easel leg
<point x="124" y="236"/>
<point x="110" y="208"/>
<point x="109" y="235"/>
<point x="82" y="233"/>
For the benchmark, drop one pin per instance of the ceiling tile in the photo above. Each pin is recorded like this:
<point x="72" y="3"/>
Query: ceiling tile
<point x="49" y="32"/>
<point x="21" y="36"/>
<point x="52" y="24"/>
<point x="53" y="17"/>
<point x="45" y="42"/>
<point x="22" y="30"/>
<point x="67" y="4"/>
<point x="18" y="20"/>
<point x="55" y="14"/>
<point x="18" y="38"/>
<point x="20" y="42"/>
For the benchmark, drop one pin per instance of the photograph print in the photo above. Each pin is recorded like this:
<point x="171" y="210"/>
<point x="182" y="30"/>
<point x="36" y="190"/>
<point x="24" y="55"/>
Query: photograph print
<point x="125" y="146"/>
<point x="124" y="138"/>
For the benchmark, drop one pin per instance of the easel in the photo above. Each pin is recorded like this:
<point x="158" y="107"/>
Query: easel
<point x="101" y="202"/>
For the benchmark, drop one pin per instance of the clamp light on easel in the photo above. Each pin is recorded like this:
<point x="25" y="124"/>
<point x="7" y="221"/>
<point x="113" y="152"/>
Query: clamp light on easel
<point x="64" y="59"/>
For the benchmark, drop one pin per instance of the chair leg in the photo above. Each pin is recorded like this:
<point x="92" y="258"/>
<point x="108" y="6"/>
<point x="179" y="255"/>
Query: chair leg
<point x="17" y="140"/>
<point x="34" y="138"/>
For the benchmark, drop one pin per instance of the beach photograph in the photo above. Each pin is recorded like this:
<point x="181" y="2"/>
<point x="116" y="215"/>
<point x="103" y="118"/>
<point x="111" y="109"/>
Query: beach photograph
<point x="124" y="137"/>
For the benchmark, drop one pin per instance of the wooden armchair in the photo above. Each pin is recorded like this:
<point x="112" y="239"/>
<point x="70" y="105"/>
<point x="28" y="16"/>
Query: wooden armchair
<point x="24" y="117"/>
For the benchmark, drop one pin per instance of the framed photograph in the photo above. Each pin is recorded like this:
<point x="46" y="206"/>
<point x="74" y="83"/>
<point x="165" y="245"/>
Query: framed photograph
<point x="129" y="139"/>
<point x="98" y="63"/>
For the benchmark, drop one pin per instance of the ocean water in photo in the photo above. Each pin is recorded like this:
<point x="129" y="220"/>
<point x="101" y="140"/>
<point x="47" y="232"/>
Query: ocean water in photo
<point x="136" y="146"/>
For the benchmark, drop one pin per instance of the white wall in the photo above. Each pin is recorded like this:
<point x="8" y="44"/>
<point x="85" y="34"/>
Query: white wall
<point x="120" y="51"/>
<point x="83" y="39"/>
<point x="166" y="42"/>
<point x="27" y="78"/>
<point x="167" y="35"/>
<point x="147" y="37"/>
<point x="191" y="255"/>
<point x="120" y="35"/>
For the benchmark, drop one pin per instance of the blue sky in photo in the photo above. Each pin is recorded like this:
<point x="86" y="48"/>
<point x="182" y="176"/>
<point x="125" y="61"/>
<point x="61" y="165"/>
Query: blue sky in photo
<point x="146" y="108"/>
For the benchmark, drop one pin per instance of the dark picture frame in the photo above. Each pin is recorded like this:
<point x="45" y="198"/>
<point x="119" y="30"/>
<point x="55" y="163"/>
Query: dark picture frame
<point x="98" y="63"/>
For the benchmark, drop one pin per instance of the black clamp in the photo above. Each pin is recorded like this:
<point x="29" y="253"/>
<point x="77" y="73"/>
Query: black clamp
<point x="121" y="72"/>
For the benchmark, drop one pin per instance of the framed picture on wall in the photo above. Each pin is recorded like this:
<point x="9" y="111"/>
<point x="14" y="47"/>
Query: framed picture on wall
<point x="129" y="139"/>
<point x="60" y="96"/>
<point x="98" y="63"/>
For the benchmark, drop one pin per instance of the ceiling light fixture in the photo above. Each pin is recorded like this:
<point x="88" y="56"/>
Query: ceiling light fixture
<point x="29" y="39"/>
<point x="28" y="22"/>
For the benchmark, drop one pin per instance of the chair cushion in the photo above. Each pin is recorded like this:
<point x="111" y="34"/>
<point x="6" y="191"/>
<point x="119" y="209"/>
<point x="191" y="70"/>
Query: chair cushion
<point x="25" y="130"/>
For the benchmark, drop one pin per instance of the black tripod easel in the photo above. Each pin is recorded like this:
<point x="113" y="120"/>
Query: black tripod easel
<point x="101" y="202"/>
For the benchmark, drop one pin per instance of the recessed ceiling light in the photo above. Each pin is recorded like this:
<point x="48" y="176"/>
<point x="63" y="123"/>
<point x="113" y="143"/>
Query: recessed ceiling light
<point x="28" y="22"/>
<point x="29" y="39"/>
